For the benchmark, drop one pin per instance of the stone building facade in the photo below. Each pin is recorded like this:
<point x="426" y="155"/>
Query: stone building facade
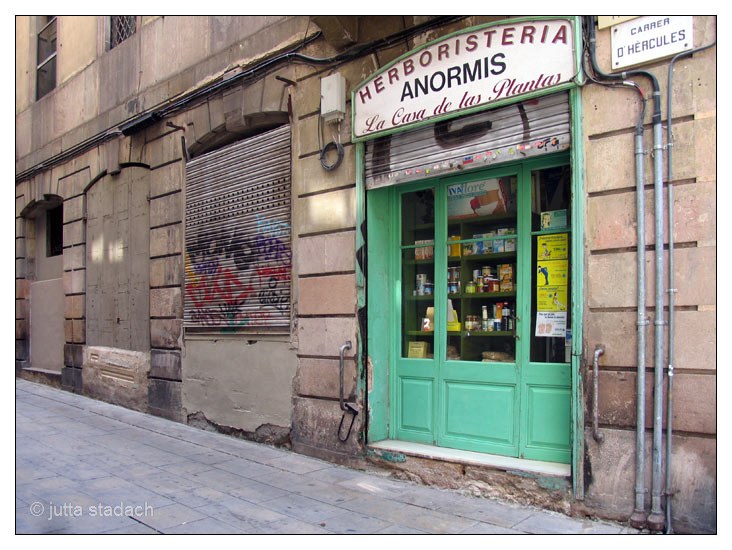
<point x="134" y="284"/>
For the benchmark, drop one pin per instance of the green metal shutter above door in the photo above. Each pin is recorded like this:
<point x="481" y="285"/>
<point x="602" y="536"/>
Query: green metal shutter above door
<point x="237" y="234"/>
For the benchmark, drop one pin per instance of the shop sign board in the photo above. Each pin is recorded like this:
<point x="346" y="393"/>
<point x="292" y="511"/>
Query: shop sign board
<point x="649" y="38"/>
<point x="465" y="71"/>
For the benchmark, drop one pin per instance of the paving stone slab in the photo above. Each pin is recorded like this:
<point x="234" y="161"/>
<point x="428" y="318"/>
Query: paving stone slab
<point x="488" y="511"/>
<point x="324" y="492"/>
<point x="303" y="508"/>
<point x="244" y="516"/>
<point x="205" y="526"/>
<point x="255" y="492"/>
<point x="247" y="468"/>
<point x="354" y="524"/>
<point x="297" y="464"/>
<point x="172" y="515"/>
<point x="544" y="523"/>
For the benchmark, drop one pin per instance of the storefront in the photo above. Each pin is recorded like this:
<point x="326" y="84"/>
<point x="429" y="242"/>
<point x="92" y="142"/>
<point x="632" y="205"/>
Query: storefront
<point x="470" y="160"/>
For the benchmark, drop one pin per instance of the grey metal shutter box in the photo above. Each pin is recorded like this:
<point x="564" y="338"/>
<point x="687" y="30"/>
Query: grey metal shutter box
<point x="237" y="232"/>
<point x="523" y="130"/>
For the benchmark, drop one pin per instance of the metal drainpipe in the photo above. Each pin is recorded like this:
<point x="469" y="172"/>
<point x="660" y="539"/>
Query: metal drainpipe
<point x="671" y="300"/>
<point x="671" y="282"/>
<point x="655" y="520"/>
<point x="638" y="518"/>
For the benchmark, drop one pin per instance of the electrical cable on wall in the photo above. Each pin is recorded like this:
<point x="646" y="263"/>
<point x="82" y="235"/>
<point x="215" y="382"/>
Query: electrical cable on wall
<point x="335" y="144"/>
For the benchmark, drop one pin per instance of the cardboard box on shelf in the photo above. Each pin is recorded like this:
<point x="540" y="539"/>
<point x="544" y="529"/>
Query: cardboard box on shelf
<point x="480" y="198"/>
<point x="553" y="219"/>
<point x="418" y="350"/>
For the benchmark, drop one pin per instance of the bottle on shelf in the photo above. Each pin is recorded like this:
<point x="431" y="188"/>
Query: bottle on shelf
<point x="511" y="318"/>
<point x="506" y="314"/>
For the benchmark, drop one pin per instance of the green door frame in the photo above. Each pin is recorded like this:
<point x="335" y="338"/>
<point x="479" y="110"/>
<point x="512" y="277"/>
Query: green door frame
<point x="376" y="294"/>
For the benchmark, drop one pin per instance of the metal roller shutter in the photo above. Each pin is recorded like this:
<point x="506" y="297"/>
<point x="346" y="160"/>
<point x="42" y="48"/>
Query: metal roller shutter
<point x="526" y="129"/>
<point x="237" y="232"/>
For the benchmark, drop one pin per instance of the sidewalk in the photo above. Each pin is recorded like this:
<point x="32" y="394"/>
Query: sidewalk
<point x="84" y="466"/>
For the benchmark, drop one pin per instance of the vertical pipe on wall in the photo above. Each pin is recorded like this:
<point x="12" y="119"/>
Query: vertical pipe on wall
<point x="656" y="518"/>
<point x="638" y="518"/>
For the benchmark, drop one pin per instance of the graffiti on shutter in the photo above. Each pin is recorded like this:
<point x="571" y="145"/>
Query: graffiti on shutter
<point x="238" y="257"/>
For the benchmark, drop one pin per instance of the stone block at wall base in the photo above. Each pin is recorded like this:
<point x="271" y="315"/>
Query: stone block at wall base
<point x="71" y="379"/>
<point x="22" y="350"/>
<point x="164" y="399"/>
<point x="315" y="425"/>
<point x="165" y="365"/>
<point x="45" y="377"/>
<point x="74" y="355"/>
<point x="117" y="376"/>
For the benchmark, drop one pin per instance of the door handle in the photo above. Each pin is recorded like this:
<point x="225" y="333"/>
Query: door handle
<point x="342" y="350"/>
<point x="345" y="407"/>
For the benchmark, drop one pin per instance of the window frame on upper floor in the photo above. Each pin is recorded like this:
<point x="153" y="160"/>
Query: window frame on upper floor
<point x="46" y="56"/>
<point x="112" y="39"/>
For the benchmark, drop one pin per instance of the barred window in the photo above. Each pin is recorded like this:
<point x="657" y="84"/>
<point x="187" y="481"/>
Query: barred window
<point x="46" y="56"/>
<point x="121" y="28"/>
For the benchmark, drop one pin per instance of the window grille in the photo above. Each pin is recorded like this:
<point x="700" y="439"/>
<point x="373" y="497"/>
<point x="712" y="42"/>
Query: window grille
<point x="46" y="56"/>
<point x="121" y="28"/>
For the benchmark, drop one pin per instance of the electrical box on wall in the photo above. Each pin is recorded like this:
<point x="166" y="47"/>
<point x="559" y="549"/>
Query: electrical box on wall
<point x="333" y="98"/>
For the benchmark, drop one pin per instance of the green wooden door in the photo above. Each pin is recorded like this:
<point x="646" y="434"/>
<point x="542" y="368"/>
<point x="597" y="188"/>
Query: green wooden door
<point x="477" y="361"/>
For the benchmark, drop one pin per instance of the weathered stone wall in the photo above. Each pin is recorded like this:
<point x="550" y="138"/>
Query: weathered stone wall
<point x="610" y="313"/>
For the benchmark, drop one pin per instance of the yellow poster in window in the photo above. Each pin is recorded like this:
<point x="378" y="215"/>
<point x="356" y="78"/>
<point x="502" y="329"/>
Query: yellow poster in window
<point x="551" y="298"/>
<point x="551" y="247"/>
<point x="552" y="273"/>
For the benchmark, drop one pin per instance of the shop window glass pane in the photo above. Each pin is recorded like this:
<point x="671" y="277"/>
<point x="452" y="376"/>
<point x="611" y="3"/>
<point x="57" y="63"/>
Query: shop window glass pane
<point x="482" y="263"/>
<point x="418" y="273"/>
<point x="46" y="38"/>
<point x="551" y="261"/>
